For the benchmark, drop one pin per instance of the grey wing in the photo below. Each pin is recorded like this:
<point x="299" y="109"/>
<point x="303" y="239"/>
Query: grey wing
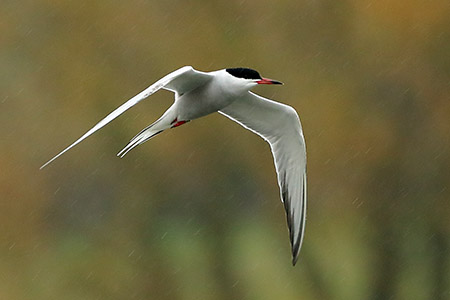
<point x="178" y="81"/>
<point x="190" y="80"/>
<point x="280" y="126"/>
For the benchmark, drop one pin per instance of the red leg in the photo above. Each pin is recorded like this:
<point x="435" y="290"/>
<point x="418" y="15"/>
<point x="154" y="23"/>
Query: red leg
<point x="177" y="123"/>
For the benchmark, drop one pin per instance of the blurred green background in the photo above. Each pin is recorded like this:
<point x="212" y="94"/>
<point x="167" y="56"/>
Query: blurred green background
<point x="195" y="213"/>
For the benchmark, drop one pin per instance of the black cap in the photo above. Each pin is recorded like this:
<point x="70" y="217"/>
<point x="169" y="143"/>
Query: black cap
<point x="245" y="73"/>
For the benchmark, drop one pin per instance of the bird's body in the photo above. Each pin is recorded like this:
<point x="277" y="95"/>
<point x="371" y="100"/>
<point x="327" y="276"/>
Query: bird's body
<point x="227" y="91"/>
<point x="197" y="102"/>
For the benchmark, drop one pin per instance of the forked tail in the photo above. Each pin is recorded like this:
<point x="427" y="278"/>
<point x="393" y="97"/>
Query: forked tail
<point x="167" y="120"/>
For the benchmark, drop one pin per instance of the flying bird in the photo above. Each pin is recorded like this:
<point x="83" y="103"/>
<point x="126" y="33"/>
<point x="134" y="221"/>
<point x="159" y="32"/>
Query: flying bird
<point x="227" y="91"/>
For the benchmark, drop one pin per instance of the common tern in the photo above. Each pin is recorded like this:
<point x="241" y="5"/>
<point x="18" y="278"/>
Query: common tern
<point x="227" y="91"/>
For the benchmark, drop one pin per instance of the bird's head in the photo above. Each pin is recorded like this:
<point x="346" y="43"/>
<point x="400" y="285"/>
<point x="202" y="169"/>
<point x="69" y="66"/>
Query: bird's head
<point x="248" y="78"/>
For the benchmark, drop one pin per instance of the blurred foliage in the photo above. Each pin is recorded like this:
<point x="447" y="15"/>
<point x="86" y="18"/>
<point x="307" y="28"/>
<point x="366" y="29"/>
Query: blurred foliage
<point x="195" y="213"/>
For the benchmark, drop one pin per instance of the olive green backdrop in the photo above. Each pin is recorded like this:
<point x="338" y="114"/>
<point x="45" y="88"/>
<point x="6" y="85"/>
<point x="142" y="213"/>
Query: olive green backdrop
<point x="195" y="213"/>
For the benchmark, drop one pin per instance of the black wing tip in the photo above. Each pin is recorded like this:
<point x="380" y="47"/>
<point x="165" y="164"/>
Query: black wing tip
<point x="295" y="251"/>
<point x="297" y="245"/>
<point x="295" y="241"/>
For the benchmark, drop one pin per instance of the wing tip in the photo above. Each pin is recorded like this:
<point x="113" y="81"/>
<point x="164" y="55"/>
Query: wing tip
<point x="295" y="240"/>
<point x="294" y="259"/>
<point x="55" y="157"/>
<point x="44" y="165"/>
<point x="296" y="249"/>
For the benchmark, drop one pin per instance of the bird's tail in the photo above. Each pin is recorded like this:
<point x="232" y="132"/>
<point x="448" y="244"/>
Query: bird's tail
<point x="163" y="123"/>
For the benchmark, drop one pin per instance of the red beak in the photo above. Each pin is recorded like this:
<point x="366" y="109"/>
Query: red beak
<point x="268" y="81"/>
